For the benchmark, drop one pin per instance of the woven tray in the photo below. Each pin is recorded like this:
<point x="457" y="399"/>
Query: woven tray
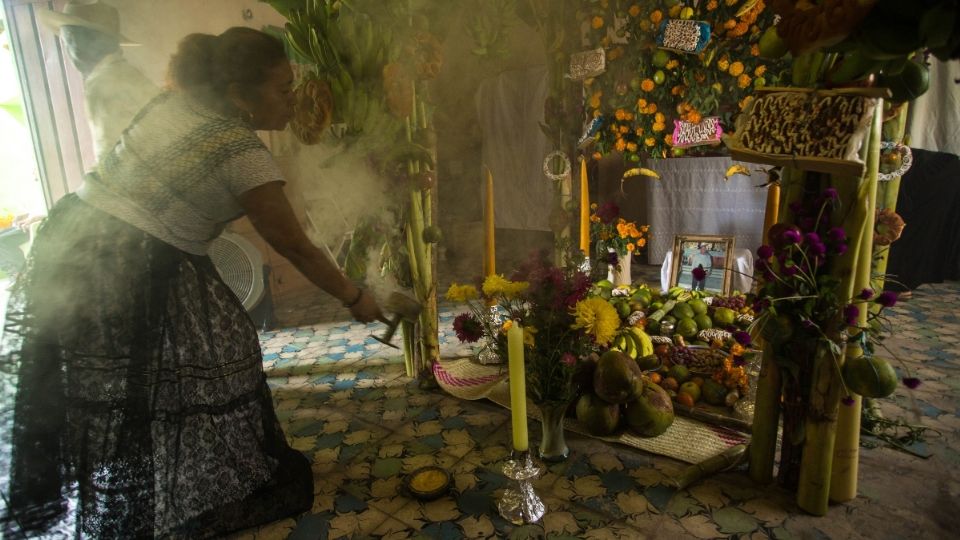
<point x="686" y="439"/>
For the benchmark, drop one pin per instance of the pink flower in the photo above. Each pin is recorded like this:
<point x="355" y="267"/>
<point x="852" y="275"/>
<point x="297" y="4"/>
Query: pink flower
<point x="866" y="294"/>
<point x="568" y="359"/>
<point x="467" y="328"/>
<point x="764" y="252"/>
<point x="699" y="273"/>
<point x="887" y="299"/>
<point x="850" y="314"/>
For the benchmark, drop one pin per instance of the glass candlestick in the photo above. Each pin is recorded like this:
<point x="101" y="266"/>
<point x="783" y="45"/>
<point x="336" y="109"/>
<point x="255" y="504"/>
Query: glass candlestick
<point x="520" y="503"/>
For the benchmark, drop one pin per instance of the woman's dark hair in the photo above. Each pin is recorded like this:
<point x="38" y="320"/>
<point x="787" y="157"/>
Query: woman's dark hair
<point x="205" y="66"/>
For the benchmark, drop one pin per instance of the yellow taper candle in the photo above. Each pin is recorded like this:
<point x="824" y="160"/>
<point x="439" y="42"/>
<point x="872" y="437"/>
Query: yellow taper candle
<point x="518" y="387"/>
<point x="489" y="250"/>
<point x="584" y="209"/>
<point x="771" y="213"/>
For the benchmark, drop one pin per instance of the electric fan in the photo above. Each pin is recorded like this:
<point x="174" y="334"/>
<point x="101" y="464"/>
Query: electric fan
<point x="241" y="267"/>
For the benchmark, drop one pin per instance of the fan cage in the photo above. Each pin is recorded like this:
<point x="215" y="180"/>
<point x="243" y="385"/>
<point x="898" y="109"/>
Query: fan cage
<point x="241" y="267"/>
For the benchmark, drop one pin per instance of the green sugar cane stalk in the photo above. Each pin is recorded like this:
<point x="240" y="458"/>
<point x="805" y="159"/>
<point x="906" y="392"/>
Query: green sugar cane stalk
<point x="887" y="192"/>
<point x="821" y="425"/>
<point x="846" y="456"/>
<point x="767" y="407"/>
<point x="766" y="418"/>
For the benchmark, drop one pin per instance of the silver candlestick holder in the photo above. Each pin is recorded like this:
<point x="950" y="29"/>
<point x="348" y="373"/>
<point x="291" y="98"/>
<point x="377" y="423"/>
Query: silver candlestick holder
<point x="520" y="503"/>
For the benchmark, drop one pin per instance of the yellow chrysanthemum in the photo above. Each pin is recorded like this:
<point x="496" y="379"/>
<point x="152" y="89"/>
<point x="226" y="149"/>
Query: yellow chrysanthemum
<point x="597" y="23"/>
<point x="736" y="68"/>
<point x="461" y="293"/>
<point x="597" y="318"/>
<point x="496" y="285"/>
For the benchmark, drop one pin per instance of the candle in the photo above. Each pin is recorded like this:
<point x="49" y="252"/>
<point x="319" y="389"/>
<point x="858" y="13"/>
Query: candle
<point x="518" y="387"/>
<point x="584" y="209"/>
<point x="773" y="207"/>
<point x="489" y="251"/>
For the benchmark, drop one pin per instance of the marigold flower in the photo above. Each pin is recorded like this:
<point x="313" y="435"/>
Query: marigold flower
<point x="641" y="103"/>
<point x="614" y="54"/>
<point x="711" y="5"/>
<point x="596" y="156"/>
<point x="651" y="108"/>
<point x="624" y="129"/>
<point x="668" y="138"/>
<point x="630" y="247"/>
<point x="659" y="117"/>
<point x="730" y="24"/>
<point x="672" y="64"/>
<point x="641" y="242"/>
<point x="639" y="131"/>
<point x="620" y="145"/>
<point x="631" y="147"/>
<point x="744" y="80"/>
<point x="650" y="141"/>
<point x="659" y="126"/>
<point x="647" y="85"/>
<point x="597" y="23"/>
<point x="675" y="10"/>
<point x="695" y="117"/>
<point x="598" y="318"/>
<point x="595" y="100"/>
<point x="736" y="68"/>
<point x="618" y="114"/>
<point x="723" y="64"/>
<point x="760" y="70"/>
<point x="740" y="29"/>
<point x="656" y="16"/>
<point x="634" y="10"/>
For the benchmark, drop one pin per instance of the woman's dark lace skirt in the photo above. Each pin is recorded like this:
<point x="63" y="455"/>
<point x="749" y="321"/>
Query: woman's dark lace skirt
<point x="134" y="399"/>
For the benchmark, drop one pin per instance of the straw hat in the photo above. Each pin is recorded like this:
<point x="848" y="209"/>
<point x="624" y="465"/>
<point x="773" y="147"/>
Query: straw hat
<point x="91" y="14"/>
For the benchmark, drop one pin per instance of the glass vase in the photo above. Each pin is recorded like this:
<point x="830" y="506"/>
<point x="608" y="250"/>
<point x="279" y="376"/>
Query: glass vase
<point x="553" y="445"/>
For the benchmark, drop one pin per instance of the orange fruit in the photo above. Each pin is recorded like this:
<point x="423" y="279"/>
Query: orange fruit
<point x="655" y="378"/>
<point x="684" y="398"/>
<point x="669" y="383"/>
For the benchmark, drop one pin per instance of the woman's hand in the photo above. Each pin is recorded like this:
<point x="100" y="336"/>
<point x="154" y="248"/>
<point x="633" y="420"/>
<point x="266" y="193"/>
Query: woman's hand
<point x="366" y="309"/>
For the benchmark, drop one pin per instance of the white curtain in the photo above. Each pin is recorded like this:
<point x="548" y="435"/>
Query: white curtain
<point x="510" y="108"/>
<point x="934" y="117"/>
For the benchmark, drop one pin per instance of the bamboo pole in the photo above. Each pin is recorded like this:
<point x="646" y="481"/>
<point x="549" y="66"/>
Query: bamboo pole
<point x="843" y="482"/>
<point x="820" y="427"/>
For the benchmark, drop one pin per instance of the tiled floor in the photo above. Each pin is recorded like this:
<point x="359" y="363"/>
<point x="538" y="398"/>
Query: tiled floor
<point x="346" y="403"/>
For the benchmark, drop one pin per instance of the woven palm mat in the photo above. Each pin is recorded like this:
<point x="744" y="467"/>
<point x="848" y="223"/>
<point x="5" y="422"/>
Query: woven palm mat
<point x="686" y="439"/>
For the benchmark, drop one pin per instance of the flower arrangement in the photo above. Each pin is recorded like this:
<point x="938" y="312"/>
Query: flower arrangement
<point x="562" y="324"/>
<point x="610" y="232"/>
<point x="645" y="88"/>
<point x="800" y="300"/>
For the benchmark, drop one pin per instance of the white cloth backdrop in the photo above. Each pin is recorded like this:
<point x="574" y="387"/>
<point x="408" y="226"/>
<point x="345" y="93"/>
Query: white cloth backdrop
<point x="510" y="109"/>
<point x="692" y="198"/>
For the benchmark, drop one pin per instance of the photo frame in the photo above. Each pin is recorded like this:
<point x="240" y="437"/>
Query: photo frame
<point x="713" y="253"/>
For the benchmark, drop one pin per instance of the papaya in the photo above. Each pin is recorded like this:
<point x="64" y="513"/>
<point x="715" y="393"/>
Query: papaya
<point x="651" y="413"/>
<point x="615" y="376"/>
<point x="869" y="376"/>
<point x="597" y="416"/>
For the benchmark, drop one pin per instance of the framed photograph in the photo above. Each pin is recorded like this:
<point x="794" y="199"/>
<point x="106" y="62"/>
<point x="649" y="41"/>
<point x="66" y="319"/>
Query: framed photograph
<point x="702" y="262"/>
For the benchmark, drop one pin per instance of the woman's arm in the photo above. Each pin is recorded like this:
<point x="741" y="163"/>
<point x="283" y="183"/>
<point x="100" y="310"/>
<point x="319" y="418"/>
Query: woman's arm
<point x="270" y="212"/>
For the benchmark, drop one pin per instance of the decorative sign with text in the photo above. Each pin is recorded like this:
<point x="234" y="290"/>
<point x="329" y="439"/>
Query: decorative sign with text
<point x="683" y="35"/>
<point x="706" y="131"/>
<point x="586" y="64"/>
<point x="816" y="130"/>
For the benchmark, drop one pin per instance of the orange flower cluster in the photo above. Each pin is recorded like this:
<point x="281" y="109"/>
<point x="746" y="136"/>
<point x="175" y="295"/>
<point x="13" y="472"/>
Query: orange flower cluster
<point x="645" y="88"/>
